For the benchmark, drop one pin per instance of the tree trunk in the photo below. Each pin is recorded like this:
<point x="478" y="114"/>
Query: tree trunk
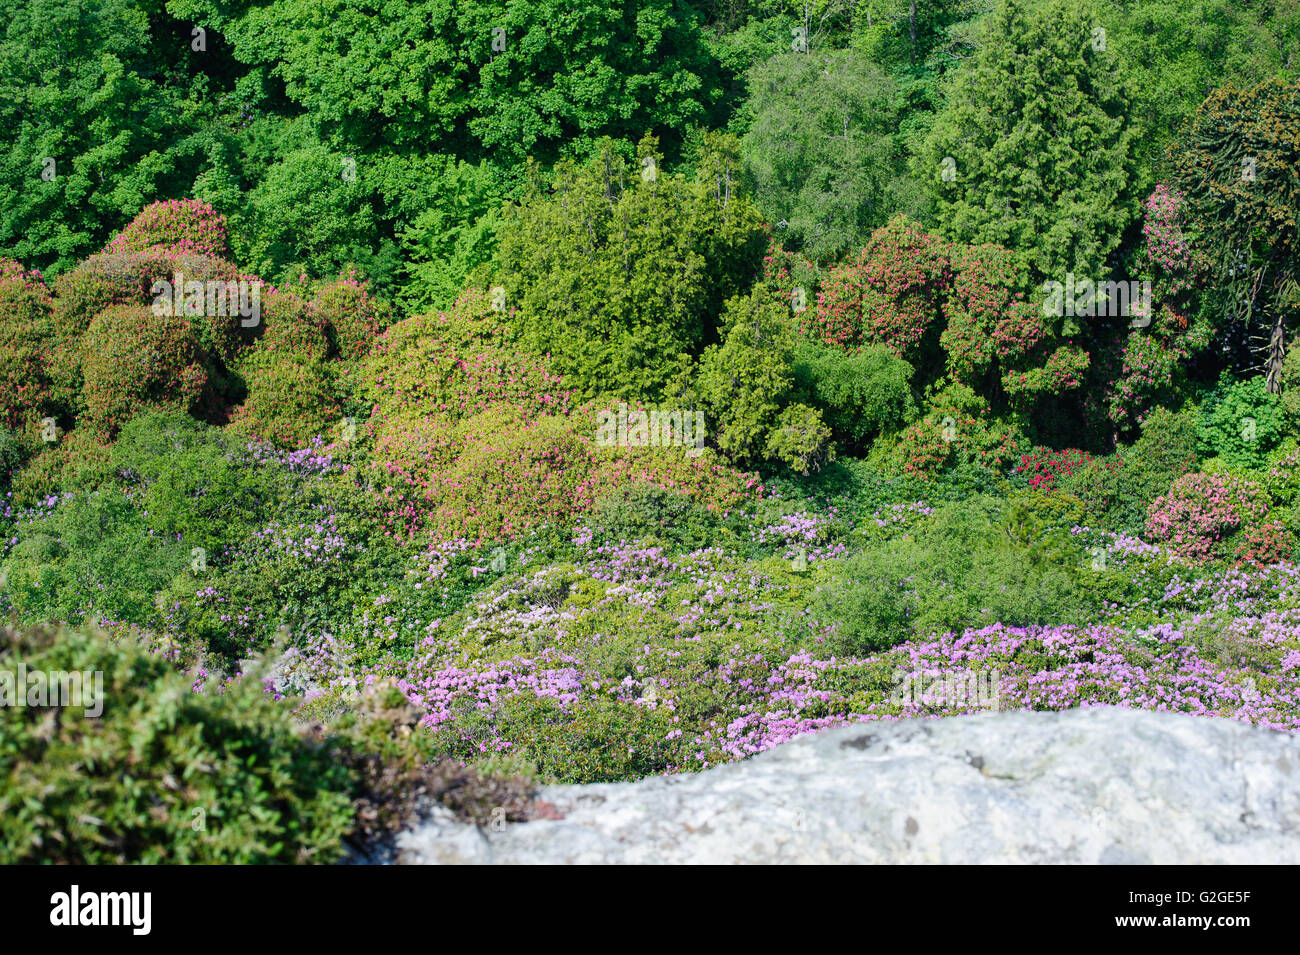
<point x="1276" y="353"/>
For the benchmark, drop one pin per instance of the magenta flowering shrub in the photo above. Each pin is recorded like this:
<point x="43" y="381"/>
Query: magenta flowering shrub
<point x="133" y="360"/>
<point x="1201" y="512"/>
<point x="1062" y="370"/>
<point x="300" y="369"/>
<point x="957" y="429"/>
<point x="175" y="226"/>
<point x="784" y="272"/>
<point x="1148" y="366"/>
<point x="26" y="343"/>
<point x="353" y="317"/>
<point x="1169" y="251"/>
<point x="1045" y="466"/>
<point x="889" y="293"/>
<point x="128" y="279"/>
<point x="456" y="364"/>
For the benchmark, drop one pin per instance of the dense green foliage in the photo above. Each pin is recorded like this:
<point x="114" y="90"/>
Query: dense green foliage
<point x="622" y="387"/>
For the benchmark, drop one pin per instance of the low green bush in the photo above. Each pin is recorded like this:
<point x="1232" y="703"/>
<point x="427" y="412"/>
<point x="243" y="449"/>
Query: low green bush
<point x="164" y="774"/>
<point x="977" y="562"/>
<point x="642" y="509"/>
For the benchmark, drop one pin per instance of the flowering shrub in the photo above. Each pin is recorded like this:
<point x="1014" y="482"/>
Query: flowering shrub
<point x="353" y="317"/>
<point x="501" y="472"/>
<point x="1281" y="476"/>
<point x="889" y="293"/>
<point x="26" y="343"/>
<point x="456" y="364"/>
<point x="127" y="279"/>
<point x="1062" y="370"/>
<point x="1169" y="251"/>
<point x="176" y="226"/>
<point x="292" y="397"/>
<point x="989" y="322"/>
<point x="293" y="393"/>
<point x="133" y="359"/>
<point x="513" y="474"/>
<point x="1043" y="466"/>
<point x="1269" y="543"/>
<point x="1202" y="511"/>
<point x="77" y="457"/>
<point x="785" y="271"/>
<point x="956" y="430"/>
<point x="1148" y="365"/>
<point x="1117" y="490"/>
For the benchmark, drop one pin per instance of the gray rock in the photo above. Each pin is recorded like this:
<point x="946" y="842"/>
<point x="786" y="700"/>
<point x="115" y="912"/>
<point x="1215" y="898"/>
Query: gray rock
<point x="1100" y="785"/>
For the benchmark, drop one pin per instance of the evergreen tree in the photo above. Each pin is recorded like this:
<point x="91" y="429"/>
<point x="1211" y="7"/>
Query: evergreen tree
<point x="1033" y="149"/>
<point x="1237" y="168"/>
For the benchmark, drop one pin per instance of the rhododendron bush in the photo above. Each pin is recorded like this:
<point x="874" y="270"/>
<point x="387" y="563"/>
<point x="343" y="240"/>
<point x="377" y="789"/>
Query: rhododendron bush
<point x="26" y="332"/>
<point x="180" y="227"/>
<point x="501" y="472"/>
<point x="939" y="303"/>
<point x="1202" y="512"/>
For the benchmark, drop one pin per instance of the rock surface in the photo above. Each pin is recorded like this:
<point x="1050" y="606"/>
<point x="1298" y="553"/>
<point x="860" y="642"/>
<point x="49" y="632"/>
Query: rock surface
<point x="1101" y="785"/>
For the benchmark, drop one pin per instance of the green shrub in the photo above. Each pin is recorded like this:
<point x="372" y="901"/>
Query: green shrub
<point x="78" y="459"/>
<point x="1241" y="422"/>
<point x="957" y="429"/>
<point x="1118" y="490"/>
<point x="354" y="319"/>
<point x="642" y="509"/>
<point x="859" y="395"/>
<point x="617" y="276"/>
<point x="164" y="774"/>
<point x="1290" y="399"/>
<point x="291" y="398"/>
<point x="799" y="439"/>
<point x="92" y="555"/>
<point x="192" y="483"/>
<point x="977" y="562"/>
